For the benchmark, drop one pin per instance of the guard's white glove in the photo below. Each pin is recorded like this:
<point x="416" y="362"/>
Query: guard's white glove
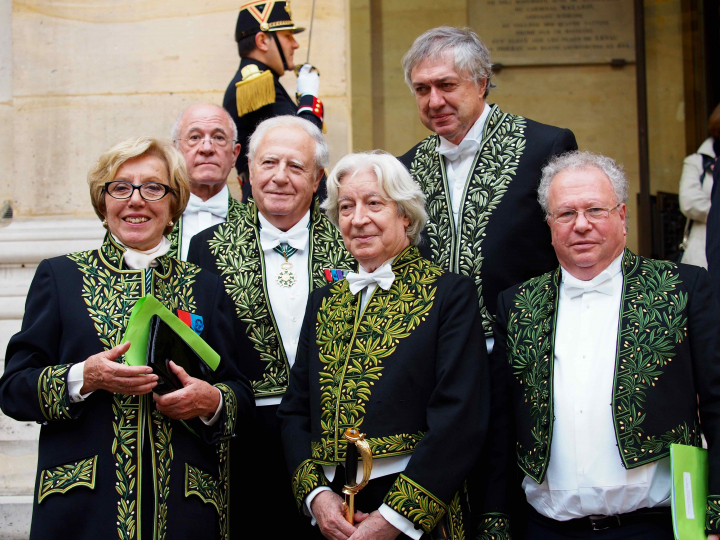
<point x="308" y="82"/>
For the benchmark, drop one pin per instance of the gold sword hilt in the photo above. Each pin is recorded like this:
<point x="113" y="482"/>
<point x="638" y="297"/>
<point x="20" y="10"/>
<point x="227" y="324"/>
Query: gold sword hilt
<point x="353" y="436"/>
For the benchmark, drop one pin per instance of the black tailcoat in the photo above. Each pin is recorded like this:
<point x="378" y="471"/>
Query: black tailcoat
<point x="284" y="104"/>
<point x="232" y="250"/>
<point x="667" y="368"/>
<point x="112" y="466"/>
<point x="410" y="372"/>
<point x="502" y="238"/>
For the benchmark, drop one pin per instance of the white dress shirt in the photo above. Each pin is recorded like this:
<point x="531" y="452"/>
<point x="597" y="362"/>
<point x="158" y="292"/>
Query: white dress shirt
<point x="381" y="467"/>
<point x="585" y="475"/>
<point x="199" y="215"/>
<point x="459" y="158"/>
<point x="287" y="303"/>
<point x="135" y="260"/>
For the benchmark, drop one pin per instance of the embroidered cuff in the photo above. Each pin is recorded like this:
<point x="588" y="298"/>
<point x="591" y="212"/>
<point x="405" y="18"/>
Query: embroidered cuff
<point x="311" y="104"/>
<point x="415" y="503"/>
<point x="306" y="478"/>
<point x="53" y="394"/>
<point x="712" y="514"/>
<point x="493" y="526"/>
<point x="229" y="401"/>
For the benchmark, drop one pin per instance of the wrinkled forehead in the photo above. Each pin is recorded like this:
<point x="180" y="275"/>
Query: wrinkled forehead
<point x="206" y="120"/>
<point x="583" y="184"/>
<point x="438" y="63"/>
<point x="290" y="140"/>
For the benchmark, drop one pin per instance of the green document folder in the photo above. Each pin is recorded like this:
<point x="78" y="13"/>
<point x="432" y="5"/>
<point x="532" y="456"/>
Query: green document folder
<point x="689" y="491"/>
<point x="138" y="332"/>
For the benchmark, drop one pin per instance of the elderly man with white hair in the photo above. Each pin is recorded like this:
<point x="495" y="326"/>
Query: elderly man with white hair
<point x="395" y="351"/>
<point x="608" y="359"/>
<point x="277" y="249"/>
<point x="208" y="139"/>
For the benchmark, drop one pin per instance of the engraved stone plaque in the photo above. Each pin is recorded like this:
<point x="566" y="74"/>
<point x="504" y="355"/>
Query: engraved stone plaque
<point x="533" y="32"/>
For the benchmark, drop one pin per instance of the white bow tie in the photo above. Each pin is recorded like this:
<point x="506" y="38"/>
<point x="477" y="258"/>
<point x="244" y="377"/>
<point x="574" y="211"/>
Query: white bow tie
<point x="216" y="206"/>
<point x="297" y="238"/>
<point x="575" y="287"/>
<point x="466" y="146"/>
<point x="383" y="276"/>
<point x="136" y="260"/>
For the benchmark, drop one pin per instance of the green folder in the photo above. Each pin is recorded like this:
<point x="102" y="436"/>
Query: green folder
<point x="689" y="466"/>
<point x="138" y="332"/>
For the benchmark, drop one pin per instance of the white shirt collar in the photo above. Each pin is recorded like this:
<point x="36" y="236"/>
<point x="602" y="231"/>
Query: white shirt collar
<point x="298" y="227"/>
<point x="474" y="133"/>
<point x="220" y="198"/>
<point x="610" y="272"/>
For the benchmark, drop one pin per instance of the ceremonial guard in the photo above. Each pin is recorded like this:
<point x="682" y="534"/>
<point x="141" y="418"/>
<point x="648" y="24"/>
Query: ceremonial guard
<point x="264" y="34"/>
<point x="278" y="249"/>
<point x="479" y="170"/>
<point x="207" y="137"/>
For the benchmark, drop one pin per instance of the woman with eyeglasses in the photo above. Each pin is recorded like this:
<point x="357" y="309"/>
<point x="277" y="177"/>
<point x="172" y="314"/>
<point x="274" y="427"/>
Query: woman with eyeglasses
<point x="114" y="459"/>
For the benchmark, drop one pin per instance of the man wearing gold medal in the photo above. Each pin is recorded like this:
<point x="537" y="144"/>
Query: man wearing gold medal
<point x="270" y="256"/>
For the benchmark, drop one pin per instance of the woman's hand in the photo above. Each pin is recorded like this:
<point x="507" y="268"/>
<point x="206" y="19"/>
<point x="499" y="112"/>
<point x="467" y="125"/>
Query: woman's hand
<point x="196" y="398"/>
<point x="101" y="372"/>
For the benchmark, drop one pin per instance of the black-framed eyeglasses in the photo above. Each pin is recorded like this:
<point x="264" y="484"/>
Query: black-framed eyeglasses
<point x="565" y="216"/>
<point x="218" y="140"/>
<point x="150" y="191"/>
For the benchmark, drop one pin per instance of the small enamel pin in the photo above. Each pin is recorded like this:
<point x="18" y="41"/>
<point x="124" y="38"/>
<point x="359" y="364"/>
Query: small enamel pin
<point x="193" y="321"/>
<point x="331" y="274"/>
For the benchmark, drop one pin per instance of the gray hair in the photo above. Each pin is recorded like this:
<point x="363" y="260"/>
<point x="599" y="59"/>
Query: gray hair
<point x="582" y="160"/>
<point x="471" y="55"/>
<point x="392" y="177"/>
<point x="322" y="153"/>
<point x="175" y="131"/>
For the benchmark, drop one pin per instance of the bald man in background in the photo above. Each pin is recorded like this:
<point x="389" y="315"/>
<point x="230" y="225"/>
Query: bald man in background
<point x="207" y="137"/>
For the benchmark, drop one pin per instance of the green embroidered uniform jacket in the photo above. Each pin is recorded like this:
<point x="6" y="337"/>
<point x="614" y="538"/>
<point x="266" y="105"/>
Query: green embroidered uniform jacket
<point x="175" y="236"/>
<point x="112" y="466"/>
<point x="410" y="372"/>
<point x="501" y="239"/>
<point x="232" y="250"/>
<point x="667" y="368"/>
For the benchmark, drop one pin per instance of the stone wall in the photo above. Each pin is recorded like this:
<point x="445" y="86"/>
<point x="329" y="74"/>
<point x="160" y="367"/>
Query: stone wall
<point x="78" y="77"/>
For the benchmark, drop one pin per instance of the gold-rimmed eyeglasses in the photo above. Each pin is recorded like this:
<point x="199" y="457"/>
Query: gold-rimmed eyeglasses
<point x="565" y="216"/>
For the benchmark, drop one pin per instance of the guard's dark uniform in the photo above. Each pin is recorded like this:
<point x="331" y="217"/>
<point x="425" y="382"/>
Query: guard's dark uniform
<point x="309" y="108"/>
<point x="255" y="93"/>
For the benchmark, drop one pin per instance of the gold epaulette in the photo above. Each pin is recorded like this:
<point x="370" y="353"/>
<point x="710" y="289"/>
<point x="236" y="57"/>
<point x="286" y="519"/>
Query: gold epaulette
<point x="255" y="90"/>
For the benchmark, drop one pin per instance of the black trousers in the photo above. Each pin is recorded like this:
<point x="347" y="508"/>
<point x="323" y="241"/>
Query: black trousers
<point x="262" y="504"/>
<point x="653" y="528"/>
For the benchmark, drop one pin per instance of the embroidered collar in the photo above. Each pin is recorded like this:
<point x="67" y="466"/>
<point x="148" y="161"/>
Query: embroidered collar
<point x="113" y="252"/>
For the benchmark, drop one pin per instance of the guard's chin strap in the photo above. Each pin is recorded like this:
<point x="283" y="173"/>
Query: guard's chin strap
<point x="280" y="50"/>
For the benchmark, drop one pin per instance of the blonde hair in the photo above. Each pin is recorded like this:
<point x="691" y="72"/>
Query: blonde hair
<point x="108" y="164"/>
<point x="392" y="177"/>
